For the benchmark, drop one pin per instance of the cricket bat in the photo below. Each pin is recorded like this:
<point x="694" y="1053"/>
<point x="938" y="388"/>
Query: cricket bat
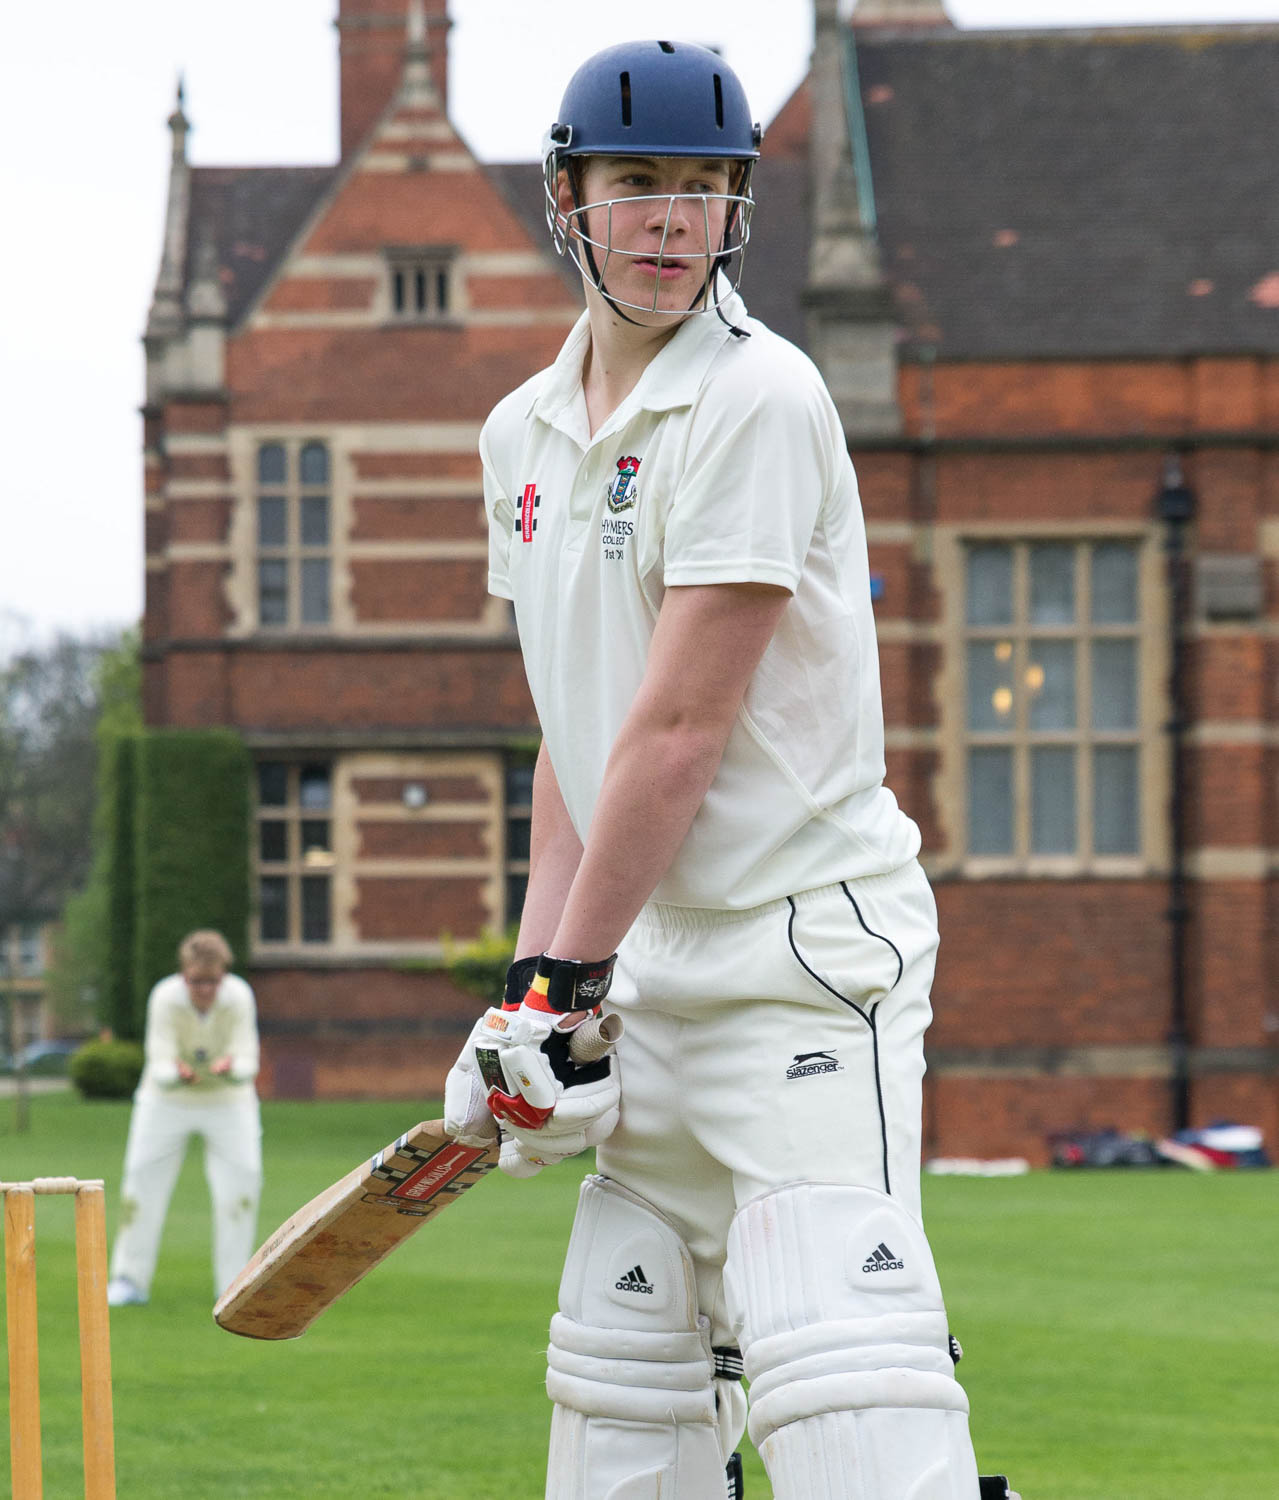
<point x="337" y="1238"/>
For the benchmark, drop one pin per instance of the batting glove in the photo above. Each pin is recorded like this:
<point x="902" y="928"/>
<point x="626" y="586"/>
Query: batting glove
<point x="550" y="1107"/>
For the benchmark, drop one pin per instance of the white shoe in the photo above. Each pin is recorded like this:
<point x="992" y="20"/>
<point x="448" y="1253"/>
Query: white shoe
<point x="122" y="1293"/>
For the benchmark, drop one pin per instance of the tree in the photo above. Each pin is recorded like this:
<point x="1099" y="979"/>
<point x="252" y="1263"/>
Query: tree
<point x="50" y="699"/>
<point x="48" y="714"/>
<point x="82" y="955"/>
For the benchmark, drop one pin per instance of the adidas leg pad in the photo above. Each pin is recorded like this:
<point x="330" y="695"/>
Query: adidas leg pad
<point x="853" y="1394"/>
<point x="631" y="1372"/>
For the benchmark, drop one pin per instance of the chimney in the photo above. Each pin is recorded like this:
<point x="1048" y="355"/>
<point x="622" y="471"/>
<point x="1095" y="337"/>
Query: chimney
<point x="374" y="39"/>
<point x="899" y="14"/>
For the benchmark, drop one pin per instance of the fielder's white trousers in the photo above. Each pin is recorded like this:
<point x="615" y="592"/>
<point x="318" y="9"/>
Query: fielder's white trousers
<point x="159" y="1131"/>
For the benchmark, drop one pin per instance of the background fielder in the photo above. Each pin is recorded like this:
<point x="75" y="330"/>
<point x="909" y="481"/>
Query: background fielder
<point x="673" y="512"/>
<point x="198" y="1081"/>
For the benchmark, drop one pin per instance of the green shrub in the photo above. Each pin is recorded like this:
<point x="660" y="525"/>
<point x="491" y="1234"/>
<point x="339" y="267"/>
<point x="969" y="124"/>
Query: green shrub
<point x="107" y="1070"/>
<point x="481" y="966"/>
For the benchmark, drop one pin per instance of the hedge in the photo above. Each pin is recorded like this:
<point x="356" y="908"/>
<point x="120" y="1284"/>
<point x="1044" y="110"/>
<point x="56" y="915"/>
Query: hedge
<point x="191" y="846"/>
<point x="117" y="1002"/>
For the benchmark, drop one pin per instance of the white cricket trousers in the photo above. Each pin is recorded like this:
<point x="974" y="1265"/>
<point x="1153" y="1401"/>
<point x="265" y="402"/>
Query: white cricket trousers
<point x="159" y="1131"/>
<point x="747" y="1061"/>
<point x="766" y="1051"/>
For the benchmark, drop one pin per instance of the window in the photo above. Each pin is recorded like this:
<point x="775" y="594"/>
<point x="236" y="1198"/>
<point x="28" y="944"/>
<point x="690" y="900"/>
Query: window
<point x="294" y="851"/>
<point x="519" y="817"/>
<point x="1053" y="726"/>
<point x="420" y="285"/>
<point x="30" y="950"/>
<point x="293" y="535"/>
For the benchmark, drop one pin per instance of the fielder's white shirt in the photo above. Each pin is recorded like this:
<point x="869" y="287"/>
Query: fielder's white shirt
<point x="726" y="464"/>
<point x="177" y="1031"/>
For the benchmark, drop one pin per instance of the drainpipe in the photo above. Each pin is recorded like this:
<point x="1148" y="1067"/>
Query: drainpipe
<point x="1175" y="507"/>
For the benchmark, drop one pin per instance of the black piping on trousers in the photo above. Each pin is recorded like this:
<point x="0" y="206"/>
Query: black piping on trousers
<point x="867" y="1015"/>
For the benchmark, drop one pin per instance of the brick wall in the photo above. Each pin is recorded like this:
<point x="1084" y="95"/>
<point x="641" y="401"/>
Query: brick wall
<point x="1053" y="995"/>
<point x="374" y="1032"/>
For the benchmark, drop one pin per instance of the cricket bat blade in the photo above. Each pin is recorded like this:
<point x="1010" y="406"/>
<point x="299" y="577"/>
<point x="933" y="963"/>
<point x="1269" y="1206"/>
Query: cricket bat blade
<point x="337" y="1238"/>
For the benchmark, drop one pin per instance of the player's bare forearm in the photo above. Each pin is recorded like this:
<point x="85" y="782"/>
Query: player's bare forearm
<point x="555" y="851"/>
<point x="707" y="645"/>
<point x="654" y="784"/>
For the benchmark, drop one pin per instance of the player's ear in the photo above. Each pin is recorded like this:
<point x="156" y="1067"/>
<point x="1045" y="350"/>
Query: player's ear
<point x="564" y="192"/>
<point x="564" y="204"/>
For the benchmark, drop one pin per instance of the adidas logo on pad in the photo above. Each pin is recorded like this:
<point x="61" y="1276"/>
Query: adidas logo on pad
<point x="881" y="1258"/>
<point x="635" y="1281"/>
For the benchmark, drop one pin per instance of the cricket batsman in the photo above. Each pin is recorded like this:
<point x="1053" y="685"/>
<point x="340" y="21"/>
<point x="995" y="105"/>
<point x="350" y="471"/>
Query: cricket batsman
<point x="673" y="511"/>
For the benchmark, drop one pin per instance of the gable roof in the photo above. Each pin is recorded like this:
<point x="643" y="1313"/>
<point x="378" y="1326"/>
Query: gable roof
<point x="252" y="215"/>
<point x="1078" y="193"/>
<point x="1066" y="194"/>
<point x="522" y="185"/>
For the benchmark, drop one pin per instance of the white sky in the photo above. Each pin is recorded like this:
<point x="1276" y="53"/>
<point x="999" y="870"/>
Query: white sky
<point x="85" y="88"/>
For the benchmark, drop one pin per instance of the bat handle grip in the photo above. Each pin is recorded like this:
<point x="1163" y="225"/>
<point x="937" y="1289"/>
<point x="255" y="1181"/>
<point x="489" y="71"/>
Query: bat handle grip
<point x="593" y="1038"/>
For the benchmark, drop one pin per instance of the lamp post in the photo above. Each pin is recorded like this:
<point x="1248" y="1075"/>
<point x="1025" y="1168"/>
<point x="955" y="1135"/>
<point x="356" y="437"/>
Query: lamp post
<point x="1175" y="507"/>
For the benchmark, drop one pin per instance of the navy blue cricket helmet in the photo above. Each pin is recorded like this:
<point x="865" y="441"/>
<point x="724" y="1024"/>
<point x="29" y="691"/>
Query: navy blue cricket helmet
<point x="656" y="99"/>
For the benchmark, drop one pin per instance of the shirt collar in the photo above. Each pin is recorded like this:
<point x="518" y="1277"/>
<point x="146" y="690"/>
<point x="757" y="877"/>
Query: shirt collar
<point x="672" y="379"/>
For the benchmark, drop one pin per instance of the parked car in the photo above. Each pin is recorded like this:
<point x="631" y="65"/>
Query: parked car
<point x="42" y="1059"/>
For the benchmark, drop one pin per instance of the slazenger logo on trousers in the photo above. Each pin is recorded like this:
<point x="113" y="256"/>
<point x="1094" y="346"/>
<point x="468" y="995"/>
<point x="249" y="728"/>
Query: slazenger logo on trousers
<point x="635" y="1281"/>
<point x="805" y="1064"/>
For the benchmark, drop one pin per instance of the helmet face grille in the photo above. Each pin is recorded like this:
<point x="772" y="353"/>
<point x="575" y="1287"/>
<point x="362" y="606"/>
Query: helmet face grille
<point x="720" y="266"/>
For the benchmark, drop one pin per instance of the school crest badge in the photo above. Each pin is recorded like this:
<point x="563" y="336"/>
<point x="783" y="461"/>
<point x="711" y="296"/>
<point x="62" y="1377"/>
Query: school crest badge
<point x="623" y="492"/>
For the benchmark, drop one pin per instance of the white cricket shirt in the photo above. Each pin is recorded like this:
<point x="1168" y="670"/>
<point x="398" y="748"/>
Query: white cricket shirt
<point x="178" y="1032"/>
<point x="725" y="464"/>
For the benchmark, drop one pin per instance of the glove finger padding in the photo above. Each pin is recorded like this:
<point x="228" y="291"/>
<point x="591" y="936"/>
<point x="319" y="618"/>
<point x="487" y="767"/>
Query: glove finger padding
<point x="560" y="1139"/>
<point x="514" y="1163"/>
<point x="467" y="1117"/>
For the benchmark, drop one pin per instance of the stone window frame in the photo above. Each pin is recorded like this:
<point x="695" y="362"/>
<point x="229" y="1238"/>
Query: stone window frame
<point x="422" y="284"/>
<point x="29" y="948"/>
<point x="951" y="790"/>
<point x="295" y="552"/>
<point x="299" y="863"/>
<point x="517" y="810"/>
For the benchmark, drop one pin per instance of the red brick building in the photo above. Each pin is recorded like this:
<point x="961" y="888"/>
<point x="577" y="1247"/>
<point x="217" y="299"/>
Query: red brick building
<point x="1034" y="267"/>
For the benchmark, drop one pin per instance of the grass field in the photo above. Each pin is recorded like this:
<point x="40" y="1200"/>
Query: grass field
<point x="1121" y="1329"/>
